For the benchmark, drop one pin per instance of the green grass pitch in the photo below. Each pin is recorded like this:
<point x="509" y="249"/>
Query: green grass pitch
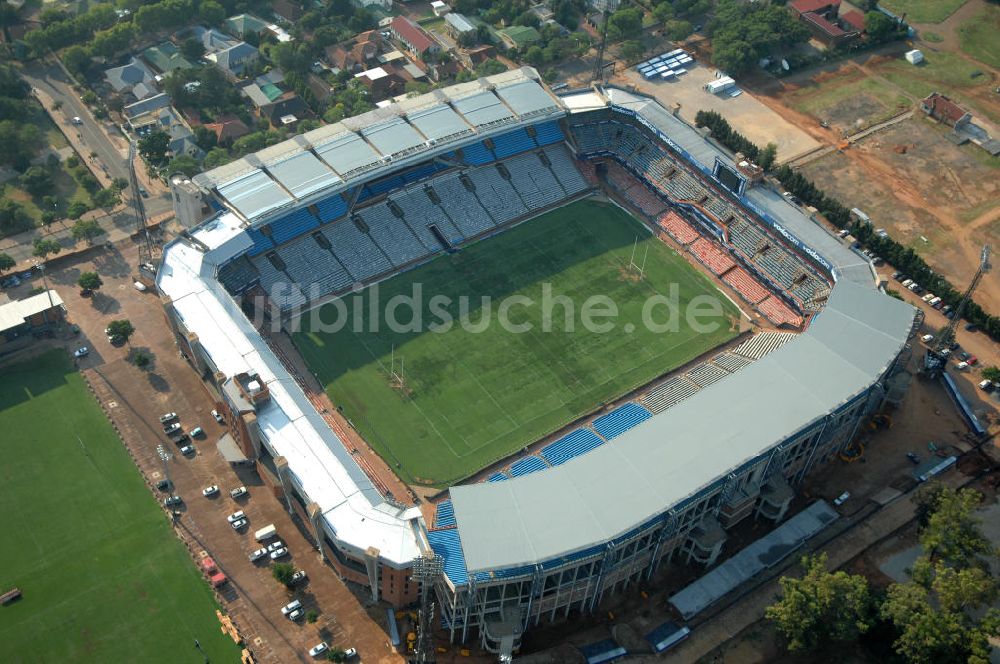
<point x="471" y="398"/>
<point x="102" y="575"/>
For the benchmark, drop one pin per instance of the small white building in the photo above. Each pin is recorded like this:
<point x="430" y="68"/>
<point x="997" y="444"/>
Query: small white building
<point x="384" y="4"/>
<point x="440" y="8"/>
<point x="914" y="57"/>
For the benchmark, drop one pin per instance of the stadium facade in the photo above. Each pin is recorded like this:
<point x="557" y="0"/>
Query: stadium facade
<point x="348" y="204"/>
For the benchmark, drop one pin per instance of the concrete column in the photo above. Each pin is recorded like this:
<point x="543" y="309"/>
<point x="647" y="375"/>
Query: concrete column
<point x="371" y="564"/>
<point x="315" y="515"/>
<point x="281" y="464"/>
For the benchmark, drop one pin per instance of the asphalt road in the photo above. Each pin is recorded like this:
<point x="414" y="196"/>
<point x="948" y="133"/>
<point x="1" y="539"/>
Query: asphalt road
<point x="53" y="81"/>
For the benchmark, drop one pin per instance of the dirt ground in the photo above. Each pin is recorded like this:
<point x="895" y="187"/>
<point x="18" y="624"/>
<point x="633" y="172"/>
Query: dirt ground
<point x="929" y="194"/>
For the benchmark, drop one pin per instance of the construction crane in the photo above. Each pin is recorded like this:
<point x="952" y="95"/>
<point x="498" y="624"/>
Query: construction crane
<point x="598" y="76"/>
<point x="146" y="245"/>
<point x="936" y="358"/>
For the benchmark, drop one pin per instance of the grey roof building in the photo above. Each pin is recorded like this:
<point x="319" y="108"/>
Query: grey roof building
<point x="134" y="78"/>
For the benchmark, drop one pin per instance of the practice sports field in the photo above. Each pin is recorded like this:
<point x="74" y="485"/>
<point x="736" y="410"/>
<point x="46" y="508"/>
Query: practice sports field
<point x="102" y="575"/>
<point x="469" y="398"/>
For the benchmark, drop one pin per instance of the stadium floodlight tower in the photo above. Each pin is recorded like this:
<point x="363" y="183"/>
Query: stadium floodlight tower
<point x="936" y="360"/>
<point x="426" y="570"/>
<point x="146" y="245"/>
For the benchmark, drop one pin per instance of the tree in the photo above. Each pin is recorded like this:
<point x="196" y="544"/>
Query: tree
<point x="952" y="534"/>
<point x="336" y="655"/>
<point x="632" y="50"/>
<point x="991" y="373"/>
<point x="933" y="614"/>
<point x="282" y="572"/>
<point x="120" y="330"/>
<point x="90" y="281"/>
<point x="822" y="607"/>
<point x="211" y="12"/>
<point x="141" y="358"/>
<point x="119" y="184"/>
<point x="534" y="56"/>
<point x="87" y="229"/>
<point x="219" y="156"/>
<point x="624" y="23"/>
<point x="77" y="209"/>
<point x="77" y="60"/>
<point x="6" y="262"/>
<point x="43" y="248"/>
<point x="879" y="26"/>
<point x="767" y="156"/>
<point x="192" y="49"/>
<point x="312" y="616"/>
<point x="36" y="181"/>
<point x="185" y="164"/>
<point x="678" y="30"/>
<point x="107" y="198"/>
<point x="663" y="12"/>
<point x="154" y="147"/>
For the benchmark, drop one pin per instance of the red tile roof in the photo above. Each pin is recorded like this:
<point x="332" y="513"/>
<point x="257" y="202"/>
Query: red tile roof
<point x="805" y="6"/>
<point x="942" y="108"/>
<point x="826" y="26"/>
<point x="855" y="19"/>
<point x="411" y="33"/>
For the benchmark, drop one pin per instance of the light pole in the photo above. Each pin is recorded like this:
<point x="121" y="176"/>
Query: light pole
<point x="197" y="644"/>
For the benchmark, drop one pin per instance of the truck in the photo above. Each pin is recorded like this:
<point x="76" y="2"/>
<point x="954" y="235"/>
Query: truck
<point x="212" y="572"/>
<point x="719" y="85"/>
<point x="265" y="533"/>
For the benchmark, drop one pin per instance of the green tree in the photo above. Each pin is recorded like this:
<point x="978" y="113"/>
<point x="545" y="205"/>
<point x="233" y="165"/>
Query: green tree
<point x="282" y="572"/>
<point x="534" y="56"/>
<point x="678" y="30"/>
<point x="625" y="22"/>
<point x="185" y="164"/>
<point x="216" y="157"/>
<point x="37" y="181"/>
<point x="107" y="198"/>
<point x="121" y="330"/>
<point x="77" y="209"/>
<point x="934" y="614"/>
<point x="154" y="147"/>
<point x="119" y="184"/>
<point x="140" y="358"/>
<point x="211" y="12"/>
<point x="953" y="533"/>
<point x="87" y="229"/>
<point x="991" y="373"/>
<point x="632" y="50"/>
<point x="192" y="49"/>
<point x="663" y="12"/>
<point x="879" y="26"/>
<point x="312" y="616"/>
<point x="77" y="60"/>
<point x="767" y="156"/>
<point x="336" y="655"/>
<point x="6" y="262"/>
<point x="90" y="281"/>
<point x="43" y="248"/>
<point x="822" y="607"/>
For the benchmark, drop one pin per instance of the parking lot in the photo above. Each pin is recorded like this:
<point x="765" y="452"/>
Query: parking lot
<point x="135" y="399"/>
<point x="744" y="112"/>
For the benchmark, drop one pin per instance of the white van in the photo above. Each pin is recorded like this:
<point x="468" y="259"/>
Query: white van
<point x="265" y="533"/>
<point x="986" y="386"/>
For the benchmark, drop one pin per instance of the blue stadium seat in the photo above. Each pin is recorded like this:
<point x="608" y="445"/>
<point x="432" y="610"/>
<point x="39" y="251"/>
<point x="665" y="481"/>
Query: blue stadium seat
<point x="261" y="242"/>
<point x="548" y="133"/>
<point x="448" y="546"/>
<point x="571" y="445"/>
<point x="620" y="420"/>
<point x="382" y="186"/>
<point x="477" y="154"/>
<point x="526" y="466"/>
<point x="331" y="208"/>
<point x="512" y="143"/>
<point x="445" y="515"/>
<point x="497" y="477"/>
<point x="293" y="225"/>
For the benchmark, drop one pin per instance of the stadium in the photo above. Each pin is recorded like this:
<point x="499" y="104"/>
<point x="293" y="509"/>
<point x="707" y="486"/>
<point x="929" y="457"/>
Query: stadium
<point x="467" y="180"/>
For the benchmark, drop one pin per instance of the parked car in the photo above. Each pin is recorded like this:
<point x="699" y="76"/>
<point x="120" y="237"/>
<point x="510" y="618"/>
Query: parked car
<point x="170" y="428"/>
<point x="218" y="416"/>
<point x="986" y="386"/>
<point x="210" y="490"/>
<point x="180" y="438"/>
<point x="279" y="553"/>
<point x="187" y="449"/>
<point x="963" y="356"/>
<point x="972" y="360"/>
<point x="913" y="458"/>
<point x="197" y="432"/>
<point x="10" y="282"/>
<point x="294" y="605"/>
<point x="927" y="338"/>
<point x="971" y="327"/>
<point x="296" y="614"/>
<point x="275" y="545"/>
<point x="86" y="292"/>
<point x="238" y="492"/>
<point x="163" y="485"/>
<point x="77" y="120"/>
<point x="962" y="366"/>
<point x="236" y="516"/>
<point x="239" y="523"/>
<point x="318" y="649"/>
<point x="171" y="501"/>
<point x="166" y="417"/>
<point x="350" y="652"/>
<point x="257" y="555"/>
<point x="139" y="286"/>
<point x="299" y="576"/>
<point x="82" y="351"/>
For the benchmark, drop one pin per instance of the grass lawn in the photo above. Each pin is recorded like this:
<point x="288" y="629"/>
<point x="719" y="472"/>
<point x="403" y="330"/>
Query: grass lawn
<point x="924" y="11"/>
<point x="980" y="36"/>
<point x="942" y="72"/>
<point x="104" y="579"/>
<point x="472" y="398"/>
<point x="66" y="189"/>
<point x="819" y="101"/>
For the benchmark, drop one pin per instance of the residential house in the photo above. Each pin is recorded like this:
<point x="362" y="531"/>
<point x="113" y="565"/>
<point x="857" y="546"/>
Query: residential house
<point x="227" y="129"/>
<point x="236" y="59"/>
<point x="134" y="78"/>
<point x="167" y="120"/>
<point x="24" y="321"/>
<point x="146" y="105"/>
<point x="944" y="110"/>
<point x="440" y="8"/>
<point x="459" y="26"/>
<point x="380" y="4"/>
<point x="413" y="38"/>
<point x="480" y="54"/>
<point x="605" y="5"/>
<point x="519" y="36"/>
<point x="356" y="55"/>
<point x="273" y="101"/>
<point x="211" y="39"/>
<point x="290" y="10"/>
<point x="242" y="25"/>
<point x="382" y="82"/>
<point x="543" y="12"/>
<point x="165" y="58"/>
<point x="824" y="21"/>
